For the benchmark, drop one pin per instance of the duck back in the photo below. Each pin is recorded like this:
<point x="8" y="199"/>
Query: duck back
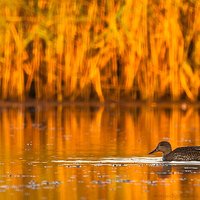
<point x="190" y="153"/>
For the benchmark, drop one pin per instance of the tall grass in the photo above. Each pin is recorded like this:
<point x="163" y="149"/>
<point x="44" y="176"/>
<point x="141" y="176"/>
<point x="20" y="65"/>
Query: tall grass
<point x="82" y="50"/>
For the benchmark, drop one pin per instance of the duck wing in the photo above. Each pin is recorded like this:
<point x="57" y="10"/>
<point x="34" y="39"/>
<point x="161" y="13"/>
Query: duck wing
<point x="185" y="149"/>
<point x="191" y="153"/>
<point x="197" y="148"/>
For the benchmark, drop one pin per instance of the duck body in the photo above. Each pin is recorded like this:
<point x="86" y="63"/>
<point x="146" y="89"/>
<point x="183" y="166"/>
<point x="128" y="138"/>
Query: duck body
<point x="188" y="153"/>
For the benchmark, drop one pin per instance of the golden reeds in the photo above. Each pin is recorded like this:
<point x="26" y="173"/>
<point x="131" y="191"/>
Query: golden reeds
<point x="83" y="50"/>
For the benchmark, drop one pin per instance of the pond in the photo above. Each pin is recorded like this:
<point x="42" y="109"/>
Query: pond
<point x="96" y="152"/>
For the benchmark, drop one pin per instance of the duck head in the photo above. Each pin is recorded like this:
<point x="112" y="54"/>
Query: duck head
<point x="164" y="147"/>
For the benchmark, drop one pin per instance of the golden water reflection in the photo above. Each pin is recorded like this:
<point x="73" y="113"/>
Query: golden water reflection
<point x="31" y="138"/>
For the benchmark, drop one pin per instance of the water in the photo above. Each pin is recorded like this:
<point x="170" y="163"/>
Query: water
<point x="96" y="152"/>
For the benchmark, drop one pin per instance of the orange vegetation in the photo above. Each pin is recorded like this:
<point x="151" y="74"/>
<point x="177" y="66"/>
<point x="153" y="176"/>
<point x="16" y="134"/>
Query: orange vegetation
<point x="77" y="50"/>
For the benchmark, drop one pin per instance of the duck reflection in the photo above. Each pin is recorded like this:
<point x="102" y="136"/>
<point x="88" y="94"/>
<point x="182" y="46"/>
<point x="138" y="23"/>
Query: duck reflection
<point x="166" y="170"/>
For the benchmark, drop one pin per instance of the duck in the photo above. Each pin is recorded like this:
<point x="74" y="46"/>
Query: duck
<point x="188" y="153"/>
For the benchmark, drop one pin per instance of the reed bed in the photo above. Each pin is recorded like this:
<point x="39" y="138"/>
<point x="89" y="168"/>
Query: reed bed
<point x="105" y="50"/>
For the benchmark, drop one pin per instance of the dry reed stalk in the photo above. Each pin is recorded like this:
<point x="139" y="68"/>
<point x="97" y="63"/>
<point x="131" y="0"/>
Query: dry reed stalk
<point x="134" y="26"/>
<point x="7" y="57"/>
<point x="17" y="83"/>
<point x="70" y="72"/>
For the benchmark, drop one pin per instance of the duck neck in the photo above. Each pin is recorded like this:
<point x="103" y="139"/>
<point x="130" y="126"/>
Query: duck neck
<point x="167" y="151"/>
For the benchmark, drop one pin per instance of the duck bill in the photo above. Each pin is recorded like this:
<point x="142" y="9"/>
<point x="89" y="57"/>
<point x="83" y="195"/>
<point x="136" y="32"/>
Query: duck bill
<point x="155" y="150"/>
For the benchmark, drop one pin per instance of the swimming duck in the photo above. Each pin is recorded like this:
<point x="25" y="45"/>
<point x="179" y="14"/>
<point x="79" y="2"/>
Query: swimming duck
<point x="189" y="153"/>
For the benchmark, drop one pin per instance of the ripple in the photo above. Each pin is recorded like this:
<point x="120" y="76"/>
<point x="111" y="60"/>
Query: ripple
<point x="121" y="161"/>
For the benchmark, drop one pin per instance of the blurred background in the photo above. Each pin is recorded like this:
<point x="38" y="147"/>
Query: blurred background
<point x="99" y="50"/>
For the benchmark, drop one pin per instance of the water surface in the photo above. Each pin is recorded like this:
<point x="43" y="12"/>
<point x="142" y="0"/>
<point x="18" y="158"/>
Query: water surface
<point x="96" y="152"/>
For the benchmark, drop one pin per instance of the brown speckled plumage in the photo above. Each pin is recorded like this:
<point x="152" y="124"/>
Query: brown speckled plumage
<point x="190" y="153"/>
